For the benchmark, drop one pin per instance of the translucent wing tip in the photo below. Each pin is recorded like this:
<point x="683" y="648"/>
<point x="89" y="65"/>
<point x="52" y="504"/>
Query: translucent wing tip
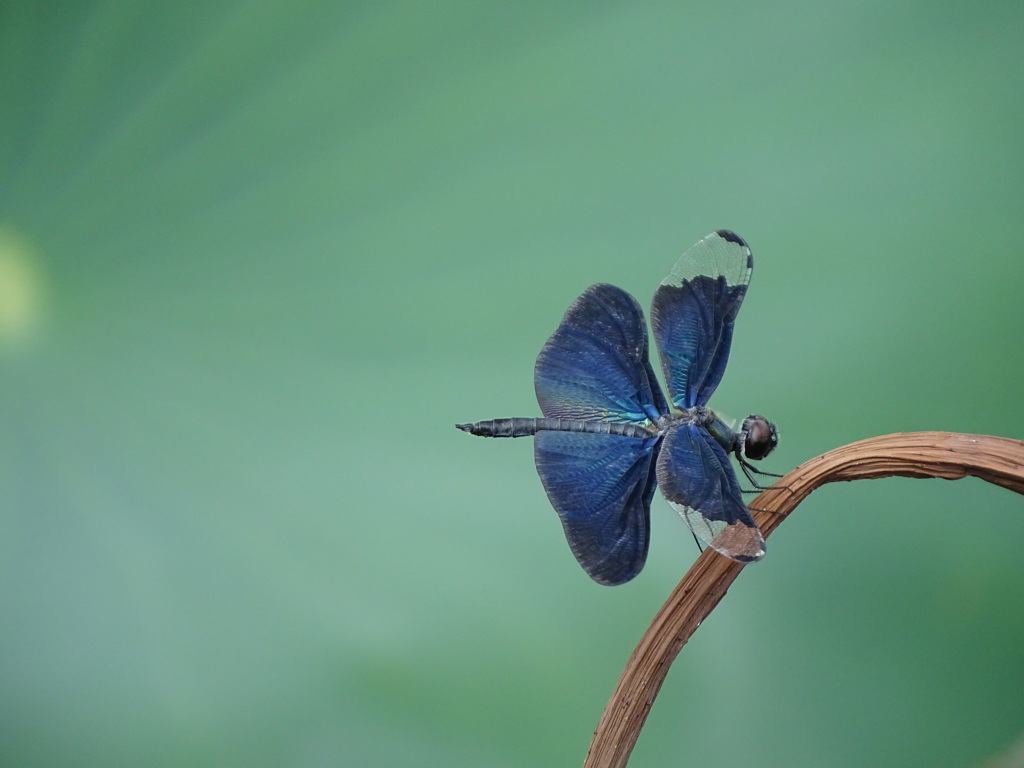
<point x="739" y="542"/>
<point x="732" y="237"/>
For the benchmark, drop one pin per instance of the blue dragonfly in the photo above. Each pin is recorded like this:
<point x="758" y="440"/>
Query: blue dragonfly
<point x="609" y="437"/>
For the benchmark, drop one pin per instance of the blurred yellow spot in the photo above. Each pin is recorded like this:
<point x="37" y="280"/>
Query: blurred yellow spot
<point x="21" y="289"/>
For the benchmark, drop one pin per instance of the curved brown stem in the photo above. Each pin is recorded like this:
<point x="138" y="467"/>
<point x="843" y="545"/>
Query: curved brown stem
<point x="947" y="455"/>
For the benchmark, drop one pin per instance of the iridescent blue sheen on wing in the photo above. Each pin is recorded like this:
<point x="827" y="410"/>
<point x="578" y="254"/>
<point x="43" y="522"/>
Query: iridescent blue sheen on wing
<point x="601" y="486"/>
<point x="693" y="313"/>
<point x="595" y="365"/>
<point x="697" y="479"/>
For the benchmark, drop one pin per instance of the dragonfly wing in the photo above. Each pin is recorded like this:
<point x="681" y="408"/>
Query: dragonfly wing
<point x="601" y="486"/>
<point x="693" y="313"/>
<point x="595" y="366"/>
<point x="697" y="479"/>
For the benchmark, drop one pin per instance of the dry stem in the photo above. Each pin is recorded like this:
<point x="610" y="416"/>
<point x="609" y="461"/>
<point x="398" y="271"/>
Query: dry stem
<point x="918" y="454"/>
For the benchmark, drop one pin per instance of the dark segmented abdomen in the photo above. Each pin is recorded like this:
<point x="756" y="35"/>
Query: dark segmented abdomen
<point x="518" y="427"/>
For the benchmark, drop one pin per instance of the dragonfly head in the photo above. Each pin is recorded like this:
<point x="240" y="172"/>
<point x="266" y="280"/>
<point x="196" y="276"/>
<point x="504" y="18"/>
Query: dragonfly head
<point x="758" y="437"/>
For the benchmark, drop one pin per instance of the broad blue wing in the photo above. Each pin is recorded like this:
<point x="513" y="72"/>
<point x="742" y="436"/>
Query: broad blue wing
<point x="697" y="479"/>
<point x="595" y="366"/>
<point x="601" y="487"/>
<point x="693" y="313"/>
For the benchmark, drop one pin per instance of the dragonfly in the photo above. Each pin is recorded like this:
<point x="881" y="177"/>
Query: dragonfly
<point x="609" y="437"/>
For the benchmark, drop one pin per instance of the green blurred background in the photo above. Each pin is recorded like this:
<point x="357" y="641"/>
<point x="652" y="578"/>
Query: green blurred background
<point x="257" y="259"/>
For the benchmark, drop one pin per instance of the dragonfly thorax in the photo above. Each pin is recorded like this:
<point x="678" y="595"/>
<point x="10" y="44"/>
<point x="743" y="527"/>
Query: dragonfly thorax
<point x="698" y="416"/>
<point x="755" y="439"/>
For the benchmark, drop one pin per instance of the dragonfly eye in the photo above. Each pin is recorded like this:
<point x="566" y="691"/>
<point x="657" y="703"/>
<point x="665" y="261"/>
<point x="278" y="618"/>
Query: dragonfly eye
<point x="760" y="437"/>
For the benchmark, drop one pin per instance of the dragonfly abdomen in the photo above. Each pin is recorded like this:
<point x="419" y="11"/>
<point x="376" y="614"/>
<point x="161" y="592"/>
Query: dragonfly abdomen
<point x="519" y="427"/>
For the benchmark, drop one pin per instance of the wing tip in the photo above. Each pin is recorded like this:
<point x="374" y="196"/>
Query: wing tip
<point x="613" y="580"/>
<point x="608" y="566"/>
<point x="740" y="542"/>
<point x="732" y="237"/>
